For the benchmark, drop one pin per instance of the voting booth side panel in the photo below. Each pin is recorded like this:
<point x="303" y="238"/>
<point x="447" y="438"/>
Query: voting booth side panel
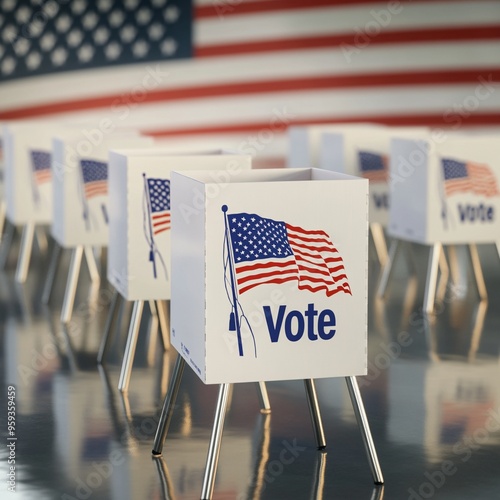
<point x="263" y="321"/>
<point x="28" y="175"/>
<point x="149" y="227"/>
<point x="149" y="222"/>
<point x="188" y="271"/>
<point x="465" y="194"/>
<point x="118" y="266"/>
<point x="409" y="174"/>
<point x="59" y="165"/>
<point x="332" y="153"/>
<point x="299" y="147"/>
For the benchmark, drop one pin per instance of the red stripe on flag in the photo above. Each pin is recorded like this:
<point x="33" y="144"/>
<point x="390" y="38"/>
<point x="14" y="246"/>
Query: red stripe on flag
<point x="365" y="80"/>
<point x="425" y="120"/>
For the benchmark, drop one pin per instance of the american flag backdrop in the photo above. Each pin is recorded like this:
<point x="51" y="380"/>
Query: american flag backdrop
<point x="266" y="251"/>
<point x="40" y="161"/>
<point x="468" y="177"/>
<point x="373" y="166"/>
<point x="219" y="72"/>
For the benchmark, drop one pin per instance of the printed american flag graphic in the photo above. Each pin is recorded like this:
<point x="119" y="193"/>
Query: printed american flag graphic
<point x="40" y="161"/>
<point x="314" y="61"/>
<point x="95" y="178"/>
<point x="159" y="204"/>
<point x="468" y="177"/>
<point x="373" y="166"/>
<point x="268" y="251"/>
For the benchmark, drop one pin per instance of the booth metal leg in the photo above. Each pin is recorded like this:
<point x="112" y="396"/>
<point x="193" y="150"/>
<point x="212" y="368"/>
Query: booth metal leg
<point x="51" y="273"/>
<point x="25" y="252"/>
<point x="432" y="273"/>
<point x="168" y="406"/>
<point x="388" y="268"/>
<point x="6" y="244"/>
<point x="70" y="292"/>
<point x="110" y="326"/>
<point x="359" y="411"/>
<point x="379" y="242"/>
<point x="265" y="405"/>
<point x="41" y="240"/>
<point x="133" y="335"/>
<point x="498" y="248"/>
<point x="312" y="400"/>
<point x="92" y="265"/>
<point x="164" y="323"/>
<point x="153" y="333"/>
<point x="444" y="275"/>
<point x="478" y="272"/>
<point x="215" y="443"/>
<point x="454" y="264"/>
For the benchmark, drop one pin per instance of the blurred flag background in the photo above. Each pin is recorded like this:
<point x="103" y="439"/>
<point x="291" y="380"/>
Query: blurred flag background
<point x="236" y="73"/>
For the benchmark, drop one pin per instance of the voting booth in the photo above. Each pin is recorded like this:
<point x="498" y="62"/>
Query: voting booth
<point x="139" y="254"/>
<point x="269" y="282"/>
<point x="80" y="202"/>
<point x="444" y="192"/>
<point x="28" y="185"/>
<point x="355" y="149"/>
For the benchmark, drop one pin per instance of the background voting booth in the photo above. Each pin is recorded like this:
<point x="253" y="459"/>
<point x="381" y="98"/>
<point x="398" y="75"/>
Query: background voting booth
<point x="355" y="149"/>
<point x="444" y="192"/>
<point x="28" y="186"/>
<point x="80" y="218"/>
<point x="265" y="290"/>
<point x="139" y="265"/>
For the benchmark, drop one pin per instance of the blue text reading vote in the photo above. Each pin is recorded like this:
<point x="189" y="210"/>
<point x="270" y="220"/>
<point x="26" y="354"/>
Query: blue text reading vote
<point x="473" y="213"/>
<point x="295" y="323"/>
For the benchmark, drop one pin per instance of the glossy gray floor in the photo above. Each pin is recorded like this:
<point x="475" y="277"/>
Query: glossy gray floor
<point x="432" y="396"/>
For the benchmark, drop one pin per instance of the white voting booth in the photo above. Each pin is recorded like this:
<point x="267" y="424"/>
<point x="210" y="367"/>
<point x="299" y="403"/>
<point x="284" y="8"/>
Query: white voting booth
<point x="28" y="185"/>
<point x="80" y="202"/>
<point x="355" y="149"/>
<point x="139" y="260"/>
<point x="264" y="289"/>
<point x="444" y="192"/>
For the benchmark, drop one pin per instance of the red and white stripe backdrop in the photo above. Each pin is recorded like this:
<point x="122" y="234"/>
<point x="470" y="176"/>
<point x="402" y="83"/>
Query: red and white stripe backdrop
<point x="421" y="64"/>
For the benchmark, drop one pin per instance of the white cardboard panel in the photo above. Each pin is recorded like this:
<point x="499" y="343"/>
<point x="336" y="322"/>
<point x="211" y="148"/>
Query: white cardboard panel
<point x="81" y="196"/>
<point x="28" y="182"/>
<point x="447" y="191"/>
<point x="304" y="142"/>
<point x="287" y="329"/>
<point x="364" y="151"/>
<point x="139" y="250"/>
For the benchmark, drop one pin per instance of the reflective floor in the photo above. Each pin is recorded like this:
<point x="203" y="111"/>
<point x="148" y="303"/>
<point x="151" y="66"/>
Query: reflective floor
<point x="432" y="396"/>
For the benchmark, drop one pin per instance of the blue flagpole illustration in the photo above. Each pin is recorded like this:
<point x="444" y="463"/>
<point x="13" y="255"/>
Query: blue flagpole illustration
<point x="444" y="206"/>
<point x="34" y="185"/>
<point x="234" y="321"/>
<point x="85" y="202"/>
<point x="105" y="213"/>
<point x="151" y="242"/>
